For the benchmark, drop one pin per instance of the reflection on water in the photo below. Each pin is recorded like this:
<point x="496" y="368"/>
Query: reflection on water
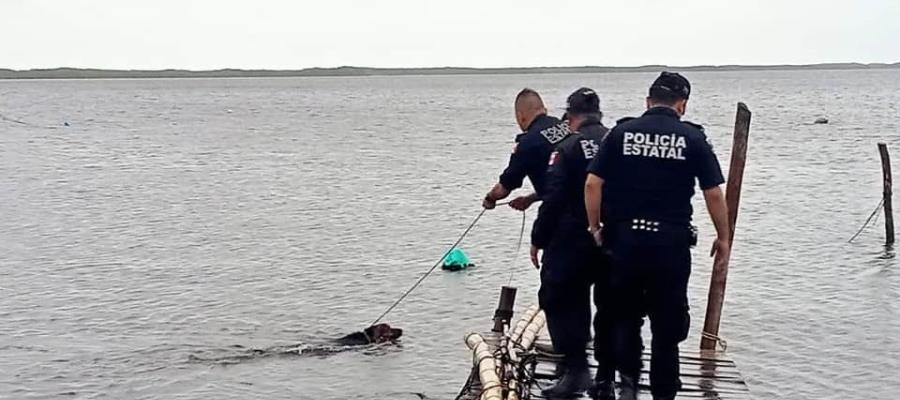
<point x="173" y="219"/>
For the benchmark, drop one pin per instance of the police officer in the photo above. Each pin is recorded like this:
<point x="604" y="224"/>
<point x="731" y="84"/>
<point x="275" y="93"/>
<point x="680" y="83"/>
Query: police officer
<point x="529" y="157"/>
<point x="569" y="254"/>
<point x="641" y="184"/>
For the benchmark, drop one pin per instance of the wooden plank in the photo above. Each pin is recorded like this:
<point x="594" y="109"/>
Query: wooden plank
<point x="689" y="389"/>
<point x="709" y="364"/>
<point x="730" y="374"/>
<point x="695" y="381"/>
<point x="686" y="356"/>
<point x="705" y="374"/>
<point x="645" y="394"/>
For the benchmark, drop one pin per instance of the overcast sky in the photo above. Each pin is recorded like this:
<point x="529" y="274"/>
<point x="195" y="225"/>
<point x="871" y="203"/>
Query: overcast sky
<point x="283" y="34"/>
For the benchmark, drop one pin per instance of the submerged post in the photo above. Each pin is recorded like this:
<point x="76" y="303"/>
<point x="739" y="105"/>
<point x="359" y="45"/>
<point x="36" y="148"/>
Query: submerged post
<point x="733" y="198"/>
<point x="504" y="311"/>
<point x="888" y="193"/>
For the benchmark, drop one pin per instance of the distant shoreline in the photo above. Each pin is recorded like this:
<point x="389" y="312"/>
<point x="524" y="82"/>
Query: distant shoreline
<point x="88" y="73"/>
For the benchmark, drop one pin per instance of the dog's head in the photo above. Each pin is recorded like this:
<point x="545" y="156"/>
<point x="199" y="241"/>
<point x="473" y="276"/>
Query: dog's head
<point x="381" y="333"/>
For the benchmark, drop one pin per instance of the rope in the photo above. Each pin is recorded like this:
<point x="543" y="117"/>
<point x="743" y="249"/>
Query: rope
<point x="512" y="264"/>
<point x="438" y="263"/>
<point x="468" y="385"/>
<point x="874" y="213"/>
<point x="508" y="369"/>
<point x="722" y="342"/>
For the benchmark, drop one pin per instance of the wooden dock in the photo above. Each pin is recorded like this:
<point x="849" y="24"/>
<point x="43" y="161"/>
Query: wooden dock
<point x="705" y="374"/>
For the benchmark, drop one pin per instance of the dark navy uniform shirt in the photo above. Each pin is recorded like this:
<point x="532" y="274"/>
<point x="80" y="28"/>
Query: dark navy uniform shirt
<point x="650" y="164"/>
<point x="563" y="198"/>
<point x="533" y="148"/>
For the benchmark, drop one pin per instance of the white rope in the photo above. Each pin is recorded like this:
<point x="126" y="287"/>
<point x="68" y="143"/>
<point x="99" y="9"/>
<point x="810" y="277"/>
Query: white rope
<point x="720" y="341"/>
<point x="512" y="263"/>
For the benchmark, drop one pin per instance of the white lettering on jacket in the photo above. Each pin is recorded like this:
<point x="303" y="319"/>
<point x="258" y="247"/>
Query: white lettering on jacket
<point x="556" y="133"/>
<point x="589" y="148"/>
<point x="667" y="146"/>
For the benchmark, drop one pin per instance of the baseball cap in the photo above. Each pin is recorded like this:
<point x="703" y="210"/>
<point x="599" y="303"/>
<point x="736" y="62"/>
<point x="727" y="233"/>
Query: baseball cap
<point x="671" y="83"/>
<point x="583" y="101"/>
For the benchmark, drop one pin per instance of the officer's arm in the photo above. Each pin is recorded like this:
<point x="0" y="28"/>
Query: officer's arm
<point x="718" y="211"/>
<point x="522" y="203"/>
<point x="593" y="200"/>
<point x="511" y="178"/>
<point x="498" y="192"/>
<point x="709" y="175"/>
<point x="598" y="169"/>
<point x="517" y="169"/>
<point x="553" y="202"/>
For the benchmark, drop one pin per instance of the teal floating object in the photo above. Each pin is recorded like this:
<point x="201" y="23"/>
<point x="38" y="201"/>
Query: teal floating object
<point x="456" y="260"/>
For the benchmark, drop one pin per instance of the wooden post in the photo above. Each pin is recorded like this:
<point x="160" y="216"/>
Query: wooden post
<point x="888" y="192"/>
<point x="504" y="311"/>
<point x="733" y="198"/>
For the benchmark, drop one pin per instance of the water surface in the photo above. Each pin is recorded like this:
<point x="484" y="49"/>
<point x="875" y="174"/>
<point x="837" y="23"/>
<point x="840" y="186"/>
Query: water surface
<point x="175" y="220"/>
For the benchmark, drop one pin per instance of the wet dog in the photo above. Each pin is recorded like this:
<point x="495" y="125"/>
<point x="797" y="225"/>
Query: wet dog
<point x="379" y="333"/>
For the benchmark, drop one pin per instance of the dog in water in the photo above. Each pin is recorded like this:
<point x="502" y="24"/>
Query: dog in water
<point x="375" y="334"/>
<point x="379" y="333"/>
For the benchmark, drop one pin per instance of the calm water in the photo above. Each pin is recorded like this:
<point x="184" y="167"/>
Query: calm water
<point x="174" y="220"/>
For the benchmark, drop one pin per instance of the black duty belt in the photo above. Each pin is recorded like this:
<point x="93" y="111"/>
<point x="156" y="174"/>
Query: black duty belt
<point x="656" y="226"/>
<point x="645" y="225"/>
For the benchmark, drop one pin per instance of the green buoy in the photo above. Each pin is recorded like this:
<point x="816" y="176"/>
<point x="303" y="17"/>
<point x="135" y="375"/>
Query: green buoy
<point x="457" y="260"/>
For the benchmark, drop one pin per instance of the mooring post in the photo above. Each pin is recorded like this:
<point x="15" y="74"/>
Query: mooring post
<point x="888" y="193"/>
<point x="716" y="296"/>
<point x="504" y="311"/>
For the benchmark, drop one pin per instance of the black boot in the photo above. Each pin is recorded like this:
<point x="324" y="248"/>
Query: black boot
<point x="602" y="390"/>
<point x="572" y="384"/>
<point x="604" y="385"/>
<point x="629" y="389"/>
<point x="672" y="397"/>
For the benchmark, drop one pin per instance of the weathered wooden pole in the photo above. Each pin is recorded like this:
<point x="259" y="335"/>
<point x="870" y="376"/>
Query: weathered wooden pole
<point x="888" y="193"/>
<point x="733" y="198"/>
<point x="504" y="311"/>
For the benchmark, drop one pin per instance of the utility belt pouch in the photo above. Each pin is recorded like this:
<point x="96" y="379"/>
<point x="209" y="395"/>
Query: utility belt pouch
<point x="694" y="232"/>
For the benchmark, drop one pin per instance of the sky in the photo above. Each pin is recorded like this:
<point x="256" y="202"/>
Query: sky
<point x="206" y="34"/>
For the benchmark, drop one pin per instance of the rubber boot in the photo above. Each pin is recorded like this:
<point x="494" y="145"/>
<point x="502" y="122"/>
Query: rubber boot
<point x="629" y="389"/>
<point x="572" y="384"/>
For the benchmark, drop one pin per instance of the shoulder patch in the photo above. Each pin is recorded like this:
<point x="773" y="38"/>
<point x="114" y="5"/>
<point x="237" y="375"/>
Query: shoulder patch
<point x="556" y="133"/>
<point x="624" y="120"/>
<point x="554" y="157"/>
<point x="697" y="126"/>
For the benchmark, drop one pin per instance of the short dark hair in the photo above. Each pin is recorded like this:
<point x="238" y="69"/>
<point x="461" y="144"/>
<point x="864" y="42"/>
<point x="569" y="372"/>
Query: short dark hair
<point x="662" y="96"/>
<point x="669" y="88"/>
<point x="527" y="92"/>
<point x="596" y="115"/>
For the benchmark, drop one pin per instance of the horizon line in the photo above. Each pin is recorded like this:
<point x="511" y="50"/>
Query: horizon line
<point x="450" y="67"/>
<point x="346" y="70"/>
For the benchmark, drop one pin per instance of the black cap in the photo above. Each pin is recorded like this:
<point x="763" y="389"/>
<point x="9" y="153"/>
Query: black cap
<point x="671" y="84"/>
<point x="583" y="101"/>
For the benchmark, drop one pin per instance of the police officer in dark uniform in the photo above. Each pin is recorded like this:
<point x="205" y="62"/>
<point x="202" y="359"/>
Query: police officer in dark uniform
<point x="533" y="147"/>
<point x="570" y="256"/>
<point x="641" y="184"/>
